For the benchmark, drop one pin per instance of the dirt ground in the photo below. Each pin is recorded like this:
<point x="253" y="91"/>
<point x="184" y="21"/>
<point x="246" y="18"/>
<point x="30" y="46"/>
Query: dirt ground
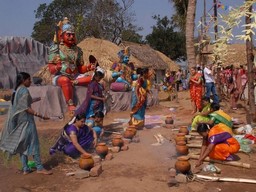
<point x="144" y="167"/>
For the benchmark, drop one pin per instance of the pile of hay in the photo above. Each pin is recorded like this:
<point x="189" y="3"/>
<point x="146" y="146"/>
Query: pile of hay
<point x="104" y="51"/>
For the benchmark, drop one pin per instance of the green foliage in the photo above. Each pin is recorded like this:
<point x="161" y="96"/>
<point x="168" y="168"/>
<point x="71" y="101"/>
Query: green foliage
<point x="226" y="25"/>
<point x="179" y="17"/>
<point x="165" y="39"/>
<point x="104" y="19"/>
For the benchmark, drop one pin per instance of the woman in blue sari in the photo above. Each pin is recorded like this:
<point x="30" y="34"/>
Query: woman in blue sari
<point x="139" y="99"/>
<point x="94" y="100"/>
<point x="76" y="138"/>
<point x="19" y="134"/>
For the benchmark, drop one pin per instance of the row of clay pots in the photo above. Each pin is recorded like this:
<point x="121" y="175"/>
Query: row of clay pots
<point x="182" y="164"/>
<point x="87" y="162"/>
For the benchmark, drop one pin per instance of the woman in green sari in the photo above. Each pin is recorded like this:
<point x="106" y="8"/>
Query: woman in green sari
<point x="203" y="115"/>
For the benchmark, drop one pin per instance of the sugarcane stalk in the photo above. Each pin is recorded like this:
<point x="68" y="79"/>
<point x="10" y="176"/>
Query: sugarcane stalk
<point x="230" y="179"/>
<point x="232" y="163"/>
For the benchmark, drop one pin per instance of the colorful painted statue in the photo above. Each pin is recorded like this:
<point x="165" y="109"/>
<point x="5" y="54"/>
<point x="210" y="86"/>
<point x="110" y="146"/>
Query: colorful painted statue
<point x="67" y="64"/>
<point x="123" y="72"/>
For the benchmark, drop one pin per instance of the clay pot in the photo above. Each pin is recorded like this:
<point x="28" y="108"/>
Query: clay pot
<point x="117" y="141"/>
<point x="86" y="162"/>
<point x="102" y="149"/>
<point x="180" y="137"/>
<point x="182" y="164"/>
<point x="184" y="129"/>
<point x="169" y="120"/>
<point x="181" y="148"/>
<point x="129" y="133"/>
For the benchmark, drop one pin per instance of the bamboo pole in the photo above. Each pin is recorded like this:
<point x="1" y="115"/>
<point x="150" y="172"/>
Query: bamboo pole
<point x="232" y="163"/>
<point x="194" y="145"/>
<point x="240" y="180"/>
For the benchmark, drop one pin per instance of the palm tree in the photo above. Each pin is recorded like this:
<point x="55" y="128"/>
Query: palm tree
<point x="251" y="86"/>
<point x="190" y="27"/>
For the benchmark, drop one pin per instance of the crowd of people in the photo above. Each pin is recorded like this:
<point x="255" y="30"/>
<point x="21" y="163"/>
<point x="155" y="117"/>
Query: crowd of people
<point x="210" y="121"/>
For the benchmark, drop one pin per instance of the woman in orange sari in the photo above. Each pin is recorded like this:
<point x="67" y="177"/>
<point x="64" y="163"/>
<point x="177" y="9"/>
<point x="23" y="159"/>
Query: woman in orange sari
<point x="196" y="89"/>
<point x="218" y="142"/>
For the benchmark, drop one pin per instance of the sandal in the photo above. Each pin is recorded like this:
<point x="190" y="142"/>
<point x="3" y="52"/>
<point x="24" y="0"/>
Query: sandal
<point x="27" y="172"/>
<point x="44" y="172"/>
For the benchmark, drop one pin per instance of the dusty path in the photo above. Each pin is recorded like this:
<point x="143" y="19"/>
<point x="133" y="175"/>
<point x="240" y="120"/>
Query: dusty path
<point x="144" y="167"/>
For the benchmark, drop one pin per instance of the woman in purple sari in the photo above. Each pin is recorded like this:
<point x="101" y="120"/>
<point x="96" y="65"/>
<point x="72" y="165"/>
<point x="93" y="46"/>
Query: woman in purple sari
<point x="94" y="100"/>
<point x="76" y="138"/>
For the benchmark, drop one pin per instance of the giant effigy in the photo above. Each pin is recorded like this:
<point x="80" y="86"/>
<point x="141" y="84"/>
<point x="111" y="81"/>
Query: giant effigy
<point x="66" y="62"/>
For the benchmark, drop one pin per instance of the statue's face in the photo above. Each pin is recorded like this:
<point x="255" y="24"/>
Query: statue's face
<point x="125" y="59"/>
<point x="69" y="38"/>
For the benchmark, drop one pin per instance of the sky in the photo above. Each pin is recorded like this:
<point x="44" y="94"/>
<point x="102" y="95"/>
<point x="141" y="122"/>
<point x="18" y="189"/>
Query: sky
<point x="17" y="17"/>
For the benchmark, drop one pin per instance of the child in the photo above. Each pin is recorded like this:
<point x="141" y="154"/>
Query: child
<point x="96" y="123"/>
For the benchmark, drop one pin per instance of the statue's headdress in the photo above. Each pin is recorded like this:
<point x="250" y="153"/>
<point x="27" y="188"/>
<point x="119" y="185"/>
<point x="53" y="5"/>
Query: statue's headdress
<point x="125" y="52"/>
<point x="63" y="26"/>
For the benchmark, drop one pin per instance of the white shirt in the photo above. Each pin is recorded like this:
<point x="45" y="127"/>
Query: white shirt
<point x="209" y="78"/>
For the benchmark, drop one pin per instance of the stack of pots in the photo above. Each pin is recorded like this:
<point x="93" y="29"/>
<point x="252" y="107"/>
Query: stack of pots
<point x="182" y="164"/>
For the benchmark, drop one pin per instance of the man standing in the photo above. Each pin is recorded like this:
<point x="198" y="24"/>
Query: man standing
<point x="210" y="82"/>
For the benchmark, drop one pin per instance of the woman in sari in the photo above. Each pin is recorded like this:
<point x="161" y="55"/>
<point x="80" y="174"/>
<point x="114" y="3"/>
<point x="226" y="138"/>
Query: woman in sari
<point x="94" y="100"/>
<point x="139" y="99"/>
<point x="203" y="115"/>
<point x="76" y="138"/>
<point x="218" y="143"/>
<point x="19" y="134"/>
<point x="196" y="90"/>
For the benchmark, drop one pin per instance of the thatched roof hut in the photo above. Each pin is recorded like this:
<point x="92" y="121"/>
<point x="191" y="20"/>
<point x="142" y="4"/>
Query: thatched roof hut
<point x="172" y="65"/>
<point x="236" y="55"/>
<point x="104" y="51"/>
<point x="148" y="55"/>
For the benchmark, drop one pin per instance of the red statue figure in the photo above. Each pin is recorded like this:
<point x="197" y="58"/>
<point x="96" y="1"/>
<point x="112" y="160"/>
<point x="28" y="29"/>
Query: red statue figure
<point x="67" y="64"/>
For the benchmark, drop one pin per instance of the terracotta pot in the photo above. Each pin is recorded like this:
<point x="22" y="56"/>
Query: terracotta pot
<point x="117" y="141"/>
<point x="169" y="120"/>
<point x="182" y="164"/>
<point x="130" y="133"/>
<point x="86" y="162"/>
<point x="180" y="137"/>
<point x="181" y="148"/>
<point x="102" y="149"/>
<point x="184" y="129"/>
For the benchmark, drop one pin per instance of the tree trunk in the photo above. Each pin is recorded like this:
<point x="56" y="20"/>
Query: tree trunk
<point x="251" y="96"/>
<point x="190" y="27"/>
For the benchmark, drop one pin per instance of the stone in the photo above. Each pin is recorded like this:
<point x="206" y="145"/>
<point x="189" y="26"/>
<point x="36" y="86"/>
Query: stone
<point x="127" y="141"/>
<point x="124" y="148"/>
<point x="96" y="171"/>
<point x="97" y="160"/>
<point x="114" y="149"/>
<point x="172" y="172"/>
<point x="172" y="182"/>
<point x="136" y="139"/>
<point x="81" y="174"/>
<point x="109" y="156"/>
<point x="180" y="178"/>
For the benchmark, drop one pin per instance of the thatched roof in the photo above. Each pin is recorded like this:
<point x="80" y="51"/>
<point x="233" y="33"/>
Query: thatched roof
<point x="172" y="65"/>
<point x="104" y="51"/>
<point x="146" y="54"/>
<point x="236" y="55"/>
